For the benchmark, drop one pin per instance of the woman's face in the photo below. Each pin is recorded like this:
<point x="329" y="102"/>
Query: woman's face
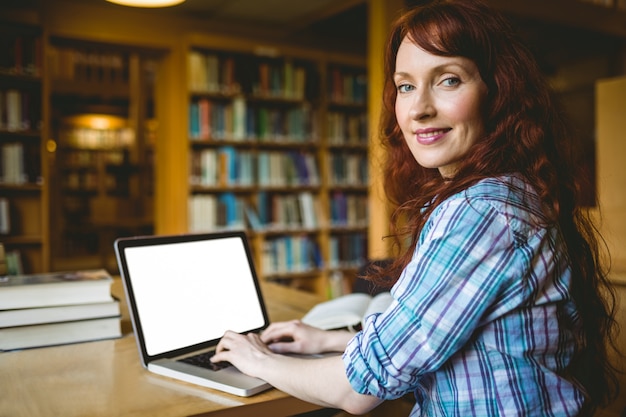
<point x="439" y="106"/>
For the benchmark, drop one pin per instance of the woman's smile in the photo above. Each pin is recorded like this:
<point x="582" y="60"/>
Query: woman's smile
<point x="429" y="136"/>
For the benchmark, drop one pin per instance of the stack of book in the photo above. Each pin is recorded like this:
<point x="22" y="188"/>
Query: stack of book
<point x="57" y="308"/>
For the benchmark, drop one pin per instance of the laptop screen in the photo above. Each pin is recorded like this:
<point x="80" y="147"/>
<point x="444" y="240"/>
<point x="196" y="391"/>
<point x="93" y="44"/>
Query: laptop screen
<point x="189" y="290"/>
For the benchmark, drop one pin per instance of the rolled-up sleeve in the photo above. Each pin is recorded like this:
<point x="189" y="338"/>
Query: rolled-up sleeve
<point x="465" y="271"/>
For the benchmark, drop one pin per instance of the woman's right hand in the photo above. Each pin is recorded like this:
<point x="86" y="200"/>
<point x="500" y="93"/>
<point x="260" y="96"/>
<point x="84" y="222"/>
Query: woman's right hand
<point x="297" y="337"/>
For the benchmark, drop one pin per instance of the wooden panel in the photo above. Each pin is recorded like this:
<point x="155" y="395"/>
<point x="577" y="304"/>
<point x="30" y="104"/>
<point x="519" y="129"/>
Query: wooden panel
<point x="381" y="14"/>
<point x="611" y="148"/>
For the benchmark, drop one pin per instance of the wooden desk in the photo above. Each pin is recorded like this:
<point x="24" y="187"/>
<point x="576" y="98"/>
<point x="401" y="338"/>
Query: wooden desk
<point x="105" y="378"/>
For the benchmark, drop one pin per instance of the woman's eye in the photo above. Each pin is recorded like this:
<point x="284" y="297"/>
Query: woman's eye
<point x="451" y="82"/>
<point x="404" y="88"/>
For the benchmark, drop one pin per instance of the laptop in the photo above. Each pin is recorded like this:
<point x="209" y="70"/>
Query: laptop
<point x="183" y="293"/>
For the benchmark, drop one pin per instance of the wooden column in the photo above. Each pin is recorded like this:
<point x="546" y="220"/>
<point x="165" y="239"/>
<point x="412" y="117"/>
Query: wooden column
<point x="610" y="150"/>
<point x="381" y="14"/>
<point x="172" y="173"/>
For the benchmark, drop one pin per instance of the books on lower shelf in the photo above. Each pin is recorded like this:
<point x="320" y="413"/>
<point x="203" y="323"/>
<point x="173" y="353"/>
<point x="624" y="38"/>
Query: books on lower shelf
<point x="347" y="311"/>
<point x="55" y="308"/>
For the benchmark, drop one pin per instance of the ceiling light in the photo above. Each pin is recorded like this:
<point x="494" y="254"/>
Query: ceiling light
<point x="147" y="3"/>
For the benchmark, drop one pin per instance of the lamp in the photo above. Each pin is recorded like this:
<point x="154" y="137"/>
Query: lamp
<point x="147" y="3"/>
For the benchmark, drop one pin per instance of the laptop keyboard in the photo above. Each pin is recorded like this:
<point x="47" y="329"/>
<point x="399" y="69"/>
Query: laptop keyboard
<point x="203" y="360"/>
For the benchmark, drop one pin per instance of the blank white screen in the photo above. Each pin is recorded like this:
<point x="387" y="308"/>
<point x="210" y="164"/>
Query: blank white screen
<point x="192" y="292"/>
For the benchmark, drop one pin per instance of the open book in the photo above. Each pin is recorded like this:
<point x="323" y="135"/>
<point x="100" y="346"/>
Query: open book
<point x="348" y="311"/>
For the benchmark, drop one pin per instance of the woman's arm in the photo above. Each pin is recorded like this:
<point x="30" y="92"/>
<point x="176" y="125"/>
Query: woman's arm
<point x="320" y="381"/>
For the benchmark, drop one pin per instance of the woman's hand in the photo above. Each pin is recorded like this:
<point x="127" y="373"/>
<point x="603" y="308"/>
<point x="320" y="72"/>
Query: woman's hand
<point x="245" y="352"/>
<point x="248" y="351"/>
<point x="297" y="337"/>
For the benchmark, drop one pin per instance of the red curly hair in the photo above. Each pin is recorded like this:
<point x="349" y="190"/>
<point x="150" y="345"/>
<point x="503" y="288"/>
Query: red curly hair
<point x="526" y="134"/>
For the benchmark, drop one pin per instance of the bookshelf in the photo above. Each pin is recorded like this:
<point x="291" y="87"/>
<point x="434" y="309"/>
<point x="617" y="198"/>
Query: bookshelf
<point x="23" y="222"/>
<point x="348" y="178"/>
<point x="278" y="146"/>
<point x="290" y="140"/>
<point x="102" y="119"/>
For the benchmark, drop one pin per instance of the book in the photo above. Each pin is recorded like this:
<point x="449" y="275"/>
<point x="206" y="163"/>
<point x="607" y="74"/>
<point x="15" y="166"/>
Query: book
<point x="3" y="260"/>
<point x="13" y="260"/>
<point x="347" y="311"/>
<point x="5" y="217"/>
<point x="309" y="205"/>
<point x="12" y="164"/>
<point x="23" y="337"/>
<point x="197" y="75"/>
<point x="56" y="314"/>
<point x="13" y="110"/>
<point x="54" y="289"/>
<point x="253" y="218"/>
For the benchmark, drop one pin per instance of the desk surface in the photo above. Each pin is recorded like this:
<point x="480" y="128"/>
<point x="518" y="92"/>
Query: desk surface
<point x="105" y="378"/>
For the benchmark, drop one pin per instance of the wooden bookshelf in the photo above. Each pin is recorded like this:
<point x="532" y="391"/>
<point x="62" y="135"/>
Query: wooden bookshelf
<point x="23" y="205"/>
<point x="81" y="179"/>
<point x="278" y="146"/>
<point x="102" y="184"/>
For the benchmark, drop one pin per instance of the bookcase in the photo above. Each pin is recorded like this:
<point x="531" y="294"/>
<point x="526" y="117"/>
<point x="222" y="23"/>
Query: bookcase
<point x="269" y="146"/>
<point x="23" y="190"/>
<point x="102" y="168"/>
<point x="348" y="179"/>
<point x="278" y="146"/>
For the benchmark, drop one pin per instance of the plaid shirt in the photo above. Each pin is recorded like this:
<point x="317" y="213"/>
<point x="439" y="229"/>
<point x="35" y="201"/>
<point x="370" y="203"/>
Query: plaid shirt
<point x="475" y="328"/>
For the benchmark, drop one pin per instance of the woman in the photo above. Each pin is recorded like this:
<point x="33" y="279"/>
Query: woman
<point x="497" y="292"/>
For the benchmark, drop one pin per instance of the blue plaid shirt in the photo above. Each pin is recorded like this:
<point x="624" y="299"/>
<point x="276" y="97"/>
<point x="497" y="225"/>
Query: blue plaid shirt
<point x="475" y="328"/>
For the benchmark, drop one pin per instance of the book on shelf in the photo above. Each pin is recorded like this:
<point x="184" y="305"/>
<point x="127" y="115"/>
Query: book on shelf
<point x="346" y="87"/>
<point x="348" y="210"/>
<point x="13" y="110"/>
<point x="215" y="211"/>
<point x="347" y="169"/>
<point x="231" y="210"/>
<point x="253" y="219"/>
<point x="81" y="64"/>
<point x="57" y="314"/>
<point x="55" y="289"/>
<point x="3" y="260"/>
<point x="21" y="53"/>
<point x="238" y="120"/>
<point x="346" y="129"/>
<point x="18" y="114"/>
<point x="12" y="166"/>
<point x="347" y="311"/>
<point x="310" y="210"/>
<point x="197" y="74"/>
<point x="288" y="254"/>
<point x="280" y="169"/>
<point x="347" y="250"/>
<point x="49" y="334"/>
<point x="13" y="260"/>
<point x="5" y="217"/>
<point x="212" y="73"/>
